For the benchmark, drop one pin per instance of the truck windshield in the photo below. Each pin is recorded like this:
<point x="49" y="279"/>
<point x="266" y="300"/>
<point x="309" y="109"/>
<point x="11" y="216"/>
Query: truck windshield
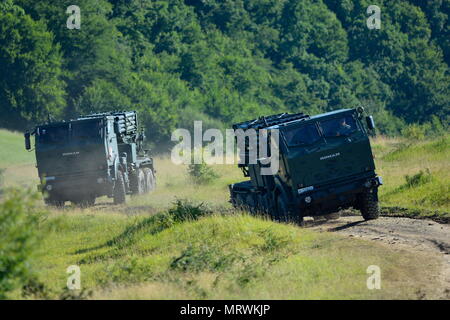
<point x="81" y="132"/>
<point x="337" y="127"/>
<point x="53" y="135"/>
<point x="301" y="136"/>
<point x="86" y="131"/>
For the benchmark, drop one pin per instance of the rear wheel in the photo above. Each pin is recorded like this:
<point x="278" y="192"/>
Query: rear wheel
<point x="149" y="180"/>
<point x="54" y="202"/>
<point x="141" y="184"/>
<point x="369" y="205"/>
<point x="83" y="202"/>
<point x="250" y="203"/>
<point x="238" y="201"/>
<point x="263" y="204"/>
<point x="119" y="189"/>
<point x="282" y="213"/>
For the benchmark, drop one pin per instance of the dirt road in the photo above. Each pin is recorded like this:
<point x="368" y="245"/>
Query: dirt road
<point x="425" y="236"/>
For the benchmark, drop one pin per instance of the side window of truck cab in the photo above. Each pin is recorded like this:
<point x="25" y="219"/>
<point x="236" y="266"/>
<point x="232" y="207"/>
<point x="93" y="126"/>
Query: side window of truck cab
<point x="301" y="135"/>
<point x="53" y="135"/>
<point x="343" y="125"/>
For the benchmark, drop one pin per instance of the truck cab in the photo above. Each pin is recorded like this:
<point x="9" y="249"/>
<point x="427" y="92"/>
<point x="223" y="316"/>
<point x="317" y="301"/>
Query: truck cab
<point x="325" y="164"/>
<point x="92" y="156"/>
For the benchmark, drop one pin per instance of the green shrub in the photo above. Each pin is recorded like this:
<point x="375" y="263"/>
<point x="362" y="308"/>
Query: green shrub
<point x="183" y="210"/>
<point x="201" y="173"/>
<point x="435" y="128"/>
<point x="205" y="257"/>
<point x="19" y="236"/>
<point x="414" y="131"/>
<point x="418" y="179"/>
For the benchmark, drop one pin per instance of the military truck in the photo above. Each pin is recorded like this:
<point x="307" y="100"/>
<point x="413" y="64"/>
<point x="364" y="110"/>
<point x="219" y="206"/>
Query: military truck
<point x="92" y="156"/>
<point x="325" y="164"/>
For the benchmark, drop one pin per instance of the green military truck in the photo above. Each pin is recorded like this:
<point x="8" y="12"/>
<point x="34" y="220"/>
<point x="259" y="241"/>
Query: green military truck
<point x="92" y="156"/>
<point x="325" y="164"/>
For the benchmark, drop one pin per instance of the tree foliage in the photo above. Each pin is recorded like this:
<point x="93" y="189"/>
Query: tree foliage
<point x="19" y="237"/>
<point x="224" y="60"/>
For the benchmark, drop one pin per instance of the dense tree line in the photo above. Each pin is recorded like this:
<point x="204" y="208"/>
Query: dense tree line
<point x="222" y="61"/>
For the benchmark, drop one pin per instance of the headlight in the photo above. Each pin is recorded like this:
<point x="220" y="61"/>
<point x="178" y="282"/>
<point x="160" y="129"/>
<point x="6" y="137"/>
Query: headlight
<point x="49" y="187"/>
<point x="308" y="199"/>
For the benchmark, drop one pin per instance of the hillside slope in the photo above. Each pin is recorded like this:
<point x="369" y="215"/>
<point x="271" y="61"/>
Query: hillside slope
<point x="150" y="249"/>
<point x="416" y="174"/>
<point x="223" y="257"/>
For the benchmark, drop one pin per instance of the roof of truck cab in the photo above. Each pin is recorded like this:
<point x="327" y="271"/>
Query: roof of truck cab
<point x="318" y="116"/>
<point x="330" y="113"/>
<point x="58" y="123"/>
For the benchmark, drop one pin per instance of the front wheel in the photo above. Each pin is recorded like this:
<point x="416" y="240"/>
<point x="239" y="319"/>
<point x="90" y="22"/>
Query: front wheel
<point x="149" y="180"/>
<point x="369" y="205"/>
<point x="139" y="180"/>
<point x="119" y="189"/>
<point x="238" y="201"/>
<point x="84" y="202"/>
<point x="54" y="202"/>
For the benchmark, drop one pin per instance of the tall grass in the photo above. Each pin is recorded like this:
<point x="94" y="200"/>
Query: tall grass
<point x="159" y="246"/>
<point x="219" y="257"/>
<point x="396" y="158"/>
<point x="19" y="238"/>
<point x="416" y="174"/>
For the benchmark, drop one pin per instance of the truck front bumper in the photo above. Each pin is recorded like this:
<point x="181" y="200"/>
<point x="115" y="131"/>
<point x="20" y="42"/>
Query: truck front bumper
<point x="331" y="198"/>
<point x="76" y="185"/>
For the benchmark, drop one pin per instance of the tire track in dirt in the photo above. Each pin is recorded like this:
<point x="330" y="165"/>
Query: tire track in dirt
<point x="414" y="235"/>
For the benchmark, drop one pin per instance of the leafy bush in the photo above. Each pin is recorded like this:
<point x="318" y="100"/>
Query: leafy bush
<point x="201" y="173"/>
<point x="203" y="257"/>
<point x="418" y="179"/>
<point x="19" y="237"/>
<point x="223" y="61"/>
<point x="414" y="131"/>
<point x="185" y="210"/>
<point x="437" y="127"/>
<point x="433" y="128"/>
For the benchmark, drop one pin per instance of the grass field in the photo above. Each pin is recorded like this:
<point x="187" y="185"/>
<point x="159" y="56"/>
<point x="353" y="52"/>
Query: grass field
<point x="416" y="174"/>
<point x="138" y="250"/>
<point x="219" y="257"/>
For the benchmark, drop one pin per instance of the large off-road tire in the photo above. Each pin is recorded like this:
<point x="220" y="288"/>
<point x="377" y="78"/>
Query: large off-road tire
<point x="139" y="185"/>
<point x="282" y="211"/>
<point x="150" y="181"/>
<point x="238" y="201"/>
<point x="368" y="205"/>
<point x="119" y="189"/>
<point x="84" y="202"/>
<point x="250" y="203"/>
<point x="262" y="206"/>
<point x="54" y="202"/>
<point x="90" y="201"/>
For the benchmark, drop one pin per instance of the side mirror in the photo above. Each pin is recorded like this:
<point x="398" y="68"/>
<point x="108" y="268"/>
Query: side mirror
<point x="27" y="141"/>
<point x="370" y="123"/>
